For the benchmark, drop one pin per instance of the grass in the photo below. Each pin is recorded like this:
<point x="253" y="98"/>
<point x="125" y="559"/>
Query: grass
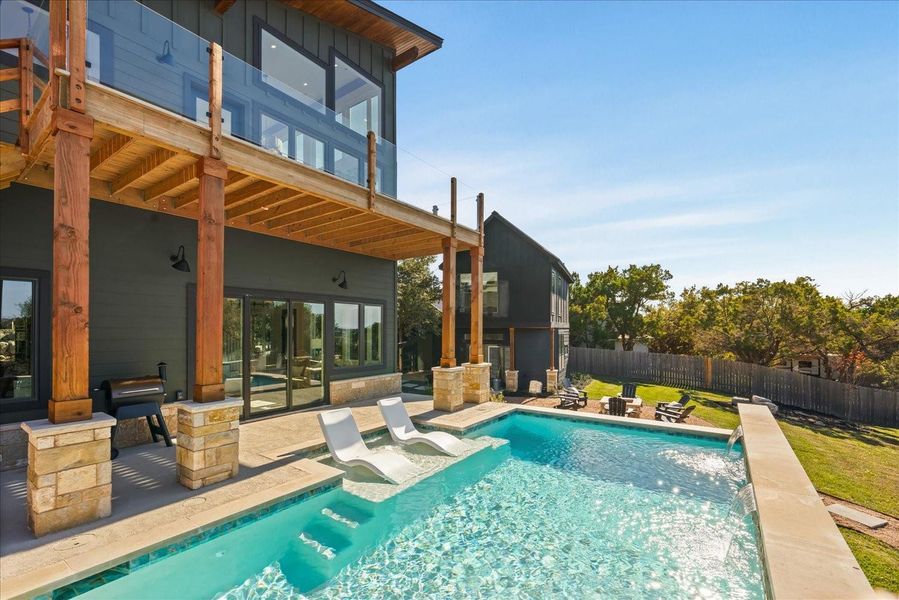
<point x="856" y="464"/>
<point x="879" y="561"/>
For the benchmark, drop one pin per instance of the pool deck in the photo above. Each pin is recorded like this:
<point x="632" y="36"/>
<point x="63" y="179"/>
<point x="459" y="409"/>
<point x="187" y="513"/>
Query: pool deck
<point x="804" y="553"/>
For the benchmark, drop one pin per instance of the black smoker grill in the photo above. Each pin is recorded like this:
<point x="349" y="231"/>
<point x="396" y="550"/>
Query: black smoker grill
<point x="135" y="397"/>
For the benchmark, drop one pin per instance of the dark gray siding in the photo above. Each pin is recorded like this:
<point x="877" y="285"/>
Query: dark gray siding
<point x="139" y="304"/>
<point x="531" y="355"/>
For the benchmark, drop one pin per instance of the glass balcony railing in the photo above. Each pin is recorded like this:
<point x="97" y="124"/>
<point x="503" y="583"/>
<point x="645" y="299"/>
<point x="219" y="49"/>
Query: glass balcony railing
<point x="137" y="51"/>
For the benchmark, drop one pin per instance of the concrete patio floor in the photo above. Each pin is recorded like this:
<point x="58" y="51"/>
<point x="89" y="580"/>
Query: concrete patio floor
<point x="148" y="498"/>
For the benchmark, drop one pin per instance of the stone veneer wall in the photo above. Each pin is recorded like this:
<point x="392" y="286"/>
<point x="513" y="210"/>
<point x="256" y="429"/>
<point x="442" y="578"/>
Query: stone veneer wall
<point x="366" y="388"/>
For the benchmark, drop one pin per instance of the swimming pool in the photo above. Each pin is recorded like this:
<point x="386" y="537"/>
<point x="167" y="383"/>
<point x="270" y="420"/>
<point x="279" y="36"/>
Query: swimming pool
<point x="565" y="509"/>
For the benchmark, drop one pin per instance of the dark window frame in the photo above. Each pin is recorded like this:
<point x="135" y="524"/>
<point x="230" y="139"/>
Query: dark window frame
<point x="331" y="91"/>
<point x="41" y="355"/>
<point x="258" y="26"/>
<point x="360" y="366"/>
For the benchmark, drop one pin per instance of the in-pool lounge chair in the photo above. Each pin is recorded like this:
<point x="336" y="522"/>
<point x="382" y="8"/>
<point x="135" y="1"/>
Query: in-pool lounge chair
<point x="347" y="448"/>
<point x="404" y="432"/>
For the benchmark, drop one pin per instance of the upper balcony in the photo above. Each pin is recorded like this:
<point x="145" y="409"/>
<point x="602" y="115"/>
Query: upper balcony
<point x="297" y="169"/>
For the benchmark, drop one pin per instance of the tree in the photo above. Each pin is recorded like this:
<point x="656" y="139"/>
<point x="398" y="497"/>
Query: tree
<point x="674" y="327"/>
<point x="585" y="318"/>
<point x="617" y="300"/>
<point x="418" y="293"/>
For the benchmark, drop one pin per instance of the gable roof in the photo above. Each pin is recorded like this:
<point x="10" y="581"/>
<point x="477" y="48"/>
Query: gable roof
<point x="557" y="262"/>
<point x="372" y="21"/>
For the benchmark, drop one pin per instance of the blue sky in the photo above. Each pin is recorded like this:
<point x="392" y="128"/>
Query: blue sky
<point x="726" y="141"/>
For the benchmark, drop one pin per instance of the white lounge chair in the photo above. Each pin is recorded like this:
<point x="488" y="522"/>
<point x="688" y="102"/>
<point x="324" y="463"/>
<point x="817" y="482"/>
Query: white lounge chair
<point x="404" y="432"/>
<point x="347" y="448"/>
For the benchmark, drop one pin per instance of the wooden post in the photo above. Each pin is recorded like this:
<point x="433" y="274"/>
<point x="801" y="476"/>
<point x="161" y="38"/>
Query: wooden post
<point x="58" y="17"/>
<point x="453" y="193"/>
<point x="481" y="218"/>
<point x="77" y="45"/>
<point x="372" y="168"/>
<point x="476" y="351"/>
<point x="448" y="333"/>
<point x="215" y="100"/>
<point x="26" y="89"/>
<point x="512" y="348"/>
<point x="552" y="348"/>
<point x="209" y="386"/>
<point x="70" y="396"/>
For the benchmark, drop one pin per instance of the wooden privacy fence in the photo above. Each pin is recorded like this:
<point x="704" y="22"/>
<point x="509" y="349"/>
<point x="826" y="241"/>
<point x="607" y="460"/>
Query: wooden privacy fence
<point x="849" y="402"/>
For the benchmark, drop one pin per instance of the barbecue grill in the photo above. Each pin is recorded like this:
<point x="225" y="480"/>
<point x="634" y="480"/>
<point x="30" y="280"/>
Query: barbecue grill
<point x="135" y="397"/>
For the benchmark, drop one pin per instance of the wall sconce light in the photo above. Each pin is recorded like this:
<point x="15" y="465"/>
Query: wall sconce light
<point x="166" y="57"/>
<point x="179" y="262"/>
<point x="340" y="280"/>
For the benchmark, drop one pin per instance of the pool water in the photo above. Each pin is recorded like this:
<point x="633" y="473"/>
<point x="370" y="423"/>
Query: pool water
<point x="564" y="509"/>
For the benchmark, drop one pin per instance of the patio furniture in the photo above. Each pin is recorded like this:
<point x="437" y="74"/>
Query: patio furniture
<point x="628" y="390"/>
<point x="636" y="404"/>
<point x="674" y="415"/>
<point x="404" y="432"/>
<point x="567" y="385"/>
<point x="347" y="448"/>
<point x="618" y="407"/>
<point x="684" y="399"/>
<point x="571" y="398"/>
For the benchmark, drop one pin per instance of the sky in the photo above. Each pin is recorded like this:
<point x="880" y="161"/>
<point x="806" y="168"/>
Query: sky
<point x="724" y="141"/>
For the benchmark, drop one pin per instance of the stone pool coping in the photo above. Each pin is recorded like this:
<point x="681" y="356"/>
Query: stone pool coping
<point x="49" y="577"/>
<point x="803" y="552"/>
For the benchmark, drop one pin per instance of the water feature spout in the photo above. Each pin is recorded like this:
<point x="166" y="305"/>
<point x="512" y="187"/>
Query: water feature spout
<point x="743" y="502"/>
<point x="737" y="434"/>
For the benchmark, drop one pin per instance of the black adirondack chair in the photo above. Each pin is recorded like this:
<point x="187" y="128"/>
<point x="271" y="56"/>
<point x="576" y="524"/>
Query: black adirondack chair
<point x="618" y="407"/>
<point x="671" y="414"/>
<point x="628" y="390"/>
<point x="571" y="398"/>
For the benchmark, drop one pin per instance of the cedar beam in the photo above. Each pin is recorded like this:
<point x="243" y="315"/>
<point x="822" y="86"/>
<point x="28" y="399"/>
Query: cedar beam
<point x="215" y="100"/>
<point x="77" y="53"/>
<point x="26" y="88"/>
<point x="293" y="206"/>
<point x="162" y="188"/>
<point x="58" y="18"/>
<point x="116" y="144"/>
<point x="210" y="281"/>
<point x="307" y="215"/>
<point x="448" y="331"/>
<point x="222" y="6"/>
<point x="334" y="217"/>
<point x="405" y="58"/>
<point x="263" y="203"/>
<point x="193" y="195"/>
<point x="70" y="341"/>
<point x="254" y="190"/>
<point x="453" y="205"/>
<point x="372" y="168"/>
<point x="146" y="165"/>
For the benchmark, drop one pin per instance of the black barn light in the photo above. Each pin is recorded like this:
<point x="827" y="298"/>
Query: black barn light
<point x="179" y="262"/>
<point x="340" y="280"/>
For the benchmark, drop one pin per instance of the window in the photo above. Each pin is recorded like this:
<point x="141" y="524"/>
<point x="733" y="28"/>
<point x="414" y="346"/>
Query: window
<point x="346" y="166"/>
<point x="495" y="294"/>
<point x="373" y="325"/>
<point x="309" y="151"/>
<point x="346" y="334"/>
<point x="232" y="347"/>
<point x="17" y="339"/>
<point x="290" y="71"/>
<point x="357" y="99"/>
<point x="202" y="107"/>
<point x="275" y="135"/>
<point x="349" y="338"/>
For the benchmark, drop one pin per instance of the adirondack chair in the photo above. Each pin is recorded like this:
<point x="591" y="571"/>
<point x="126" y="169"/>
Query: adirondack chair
<point x="671" y="414"/>
<point x="628" y="390"/>
<point x="571" y="398"/>
<point x="618" y="407"/>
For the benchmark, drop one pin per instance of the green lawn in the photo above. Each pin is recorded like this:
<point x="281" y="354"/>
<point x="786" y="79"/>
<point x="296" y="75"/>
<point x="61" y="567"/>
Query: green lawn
<point x="879" y="561"/>
<point x="861" y="465"/>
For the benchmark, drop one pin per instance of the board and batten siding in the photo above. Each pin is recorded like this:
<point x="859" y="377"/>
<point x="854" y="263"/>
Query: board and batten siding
<point x="235" y="32"/>
<point x="139" y="305"/>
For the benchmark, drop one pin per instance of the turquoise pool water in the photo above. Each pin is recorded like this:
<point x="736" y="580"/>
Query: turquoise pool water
<point x="564" y="509"/>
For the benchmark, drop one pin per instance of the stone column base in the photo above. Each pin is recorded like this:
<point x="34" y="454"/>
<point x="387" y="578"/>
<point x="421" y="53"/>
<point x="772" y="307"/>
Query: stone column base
<point x="476" y="383"/>
<point x="511" y="381"/>
<point x="208" y="440"/>
<point x="447" y="388"/>
<point x="552" y="381"/>
<point x="69" y="473"/>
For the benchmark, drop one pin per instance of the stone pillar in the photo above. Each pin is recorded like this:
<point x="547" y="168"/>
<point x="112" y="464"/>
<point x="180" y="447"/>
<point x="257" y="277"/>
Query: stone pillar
<point x="208" y="437"/>
<point x="552" y="381"/>
<point x="69" y="473"/>
<point x="447" y="388"/>
<point x="511" y="380"/>
<point x="476" y="383"/>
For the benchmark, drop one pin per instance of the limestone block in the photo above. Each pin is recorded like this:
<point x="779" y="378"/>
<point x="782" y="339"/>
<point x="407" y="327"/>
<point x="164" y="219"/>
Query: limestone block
<point x="552" y="381"/>
<point x="55" y="459"/>
<point x="447" y="388"/>
<point x="76" y="437"/>
<point x="511" y="380"/>
<point x="476" y="383"/>
<point x="73" y="480"/>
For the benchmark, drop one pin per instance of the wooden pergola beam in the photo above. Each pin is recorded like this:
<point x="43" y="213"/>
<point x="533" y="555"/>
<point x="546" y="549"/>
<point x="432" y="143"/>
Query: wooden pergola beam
<point x="358" y="232"/>
<point x="162" y="188"/>
<point x="414" y="236"/>
<point x="363" y="219"/>
<point x="263" y="203"/>
<point x="307" y="214"/>
<point x="235" y="180"/>
<point x="448" y="320"/>
<point x="293" y="206"/>
<point x="144" y="167"/>
<point x="308" y="224"/>
<point x="250" y="192"/>
<point x="109" y="149"/>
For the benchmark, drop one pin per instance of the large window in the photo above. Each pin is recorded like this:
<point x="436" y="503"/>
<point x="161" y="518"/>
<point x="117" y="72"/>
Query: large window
<point x="374" y="322"/>
<point x="357" y="99"/>
<point x="358" y="343"/>
<point x="495" y="294"/>
<point x="17" y="339"/>
<point x="290" y="71"/>
<point x="346" y="334"/>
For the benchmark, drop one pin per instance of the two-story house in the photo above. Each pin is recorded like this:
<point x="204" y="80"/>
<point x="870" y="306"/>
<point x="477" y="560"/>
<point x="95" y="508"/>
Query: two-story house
<point x="525" y="298"/>
<point x="249" y="144"/>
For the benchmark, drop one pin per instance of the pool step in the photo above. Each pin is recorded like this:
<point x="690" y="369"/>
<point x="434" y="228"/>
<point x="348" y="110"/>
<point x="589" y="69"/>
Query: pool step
<point x="325" y="551"/>
<point x="339" y="518"/>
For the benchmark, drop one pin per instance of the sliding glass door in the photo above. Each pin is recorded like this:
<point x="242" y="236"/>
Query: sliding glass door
<point x="307" y="359"/>
<point x="273" y="353"/>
